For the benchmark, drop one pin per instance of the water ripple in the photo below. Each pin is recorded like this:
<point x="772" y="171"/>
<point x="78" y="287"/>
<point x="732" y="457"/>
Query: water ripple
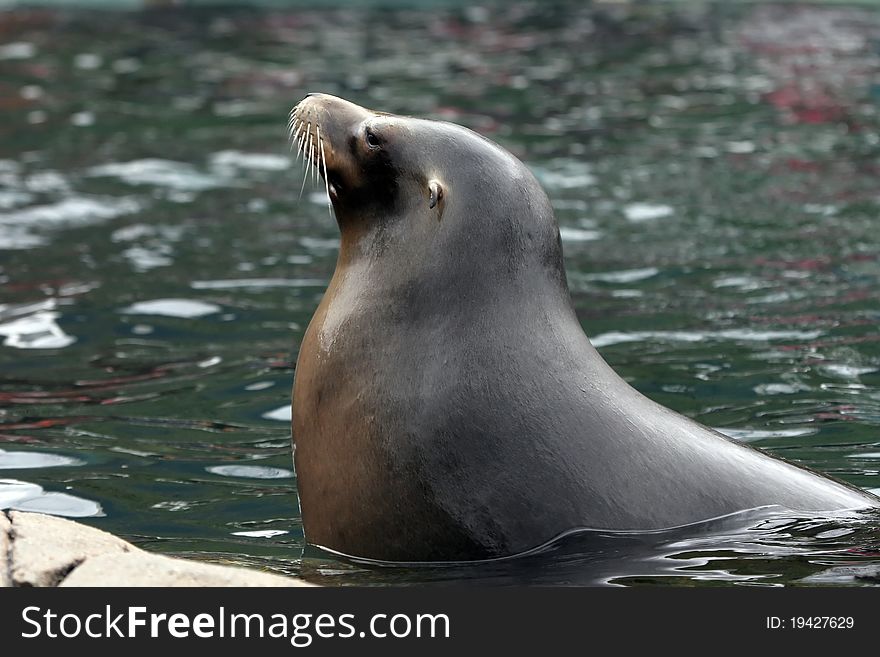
<point x="24" y="496"/>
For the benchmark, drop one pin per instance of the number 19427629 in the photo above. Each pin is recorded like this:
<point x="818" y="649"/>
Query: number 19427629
<point x="810" y="623"/>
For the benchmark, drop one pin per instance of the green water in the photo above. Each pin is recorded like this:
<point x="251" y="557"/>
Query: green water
<point x="714" y="170"/>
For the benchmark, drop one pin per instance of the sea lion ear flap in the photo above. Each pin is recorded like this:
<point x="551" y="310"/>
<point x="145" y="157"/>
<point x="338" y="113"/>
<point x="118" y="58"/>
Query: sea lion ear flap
<point x="436" y="191"/>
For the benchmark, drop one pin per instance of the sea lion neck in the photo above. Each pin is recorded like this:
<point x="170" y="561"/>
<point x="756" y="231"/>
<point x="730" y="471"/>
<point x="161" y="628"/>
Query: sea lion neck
<point x="420" y="290"/>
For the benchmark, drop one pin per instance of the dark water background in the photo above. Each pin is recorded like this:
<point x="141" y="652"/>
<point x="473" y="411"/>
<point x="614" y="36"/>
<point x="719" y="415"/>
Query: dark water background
<point x="714" y="168"/>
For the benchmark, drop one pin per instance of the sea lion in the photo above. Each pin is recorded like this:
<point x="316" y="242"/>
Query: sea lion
<point x="447" y="403"/>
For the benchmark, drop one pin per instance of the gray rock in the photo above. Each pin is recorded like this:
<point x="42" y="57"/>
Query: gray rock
<point x="143" y="569"/>
<point x="45" y="548"/>
<point x="41" y="550"/>
<point x="5" y="538"/>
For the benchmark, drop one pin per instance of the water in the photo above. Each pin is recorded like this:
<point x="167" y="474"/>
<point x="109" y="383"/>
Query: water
<point x="713" y="169"/>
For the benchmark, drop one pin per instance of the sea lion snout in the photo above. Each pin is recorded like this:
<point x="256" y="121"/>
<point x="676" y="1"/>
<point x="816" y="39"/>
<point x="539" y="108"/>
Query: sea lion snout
<point x="339" y="119"/>
<point x="350" y="148"/>
<point x="323" y="127"/>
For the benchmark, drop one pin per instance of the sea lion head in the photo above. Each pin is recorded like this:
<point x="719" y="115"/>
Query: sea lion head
<point x="411" y="189"/>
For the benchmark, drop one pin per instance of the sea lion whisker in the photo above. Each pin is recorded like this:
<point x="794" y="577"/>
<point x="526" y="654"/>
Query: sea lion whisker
<point x="293" y="122"/>
<point x="301" y="141"/>
<point x="313" y="155"/>
<point x="295" y="138"/>
<point x="308" y="163"/>
<point x="316" y="161"/>
<point x="318" y="150"/>
<point x="310" y="152"/>
<point x="302" y="135"/>
<point x="319" y="143"/>
<point x="294" y="132"/>
<point x="326" y="179"/>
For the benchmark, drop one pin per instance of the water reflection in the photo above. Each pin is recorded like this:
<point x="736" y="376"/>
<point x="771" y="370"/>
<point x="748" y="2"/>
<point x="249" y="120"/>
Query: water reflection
<point x="39" y="330"/>
<point x="250" y="471"/>
<point x="23" y="496"/>
<point x="184" y="308"/>
<point x="25" y="460"/>
<point x="764" y="547"/>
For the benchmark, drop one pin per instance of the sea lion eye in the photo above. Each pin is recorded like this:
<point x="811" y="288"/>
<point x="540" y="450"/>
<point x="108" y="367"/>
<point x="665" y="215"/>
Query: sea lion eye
<point x="372" y="139"/>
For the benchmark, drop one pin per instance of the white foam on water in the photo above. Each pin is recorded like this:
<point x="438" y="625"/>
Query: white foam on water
<point x="776" y="297"/>
<point x="133" y="232"/>
<point x="740" y="147"/>
<point x="18" y="50"/>
<point x="73" y="211"/>
<point x="746" y="335"/>
<point x="259" y="385"/>
<point x="238" y="283"/>
<point x="747" y="435"/>
<point x="741" y="282"/>
<point x="256" y="161"/>
<point x="182" y="308"/>
<point x="25" y="496"/>
<point x="47" y="182"/>
<point x="578" y="234"/>
<point x="19" y="237"/>
<point x="82" y="119"/>
<point x="835" y="533"/>
<point x="61" y="504"/>
<point x="779" y="388"/>
<point x="764" y="336"/>
<point x="13" y="491"/>
<point x="262" y="533"/>
<point x="143" y="259"/>
<point x="20" y="309"/>
<point x="250" y="471"/>
<point x="817" y="208"/>
<point x="26" y="460"/>
<point x="646" y="211"/>
<point x="623" y="276"/>
<point x="846" y="371"/>
<point x="281" y="414"/>
<point x="88" y="61"/>
<point x="20" y="228"/>
<point x="173" y="175"/>
<point x="37" y="331"/>
<point x="8" y="167"/>
<point x="173" y="505"/>
<point x="10" y="198"/>
<point x="565" y="174"/>
<point x="319" y="244"/>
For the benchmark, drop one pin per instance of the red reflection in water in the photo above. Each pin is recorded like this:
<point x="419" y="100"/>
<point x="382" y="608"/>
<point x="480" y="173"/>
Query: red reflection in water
<point x="805" y="105"/>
